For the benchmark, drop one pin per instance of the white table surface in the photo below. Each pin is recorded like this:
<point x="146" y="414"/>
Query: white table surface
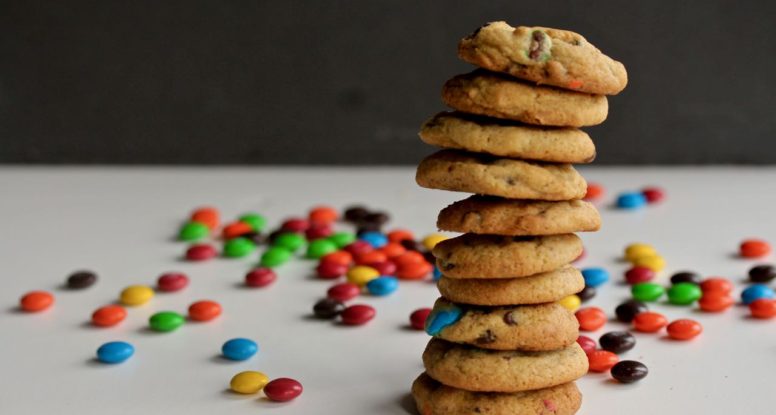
<point x="120" y="222"/>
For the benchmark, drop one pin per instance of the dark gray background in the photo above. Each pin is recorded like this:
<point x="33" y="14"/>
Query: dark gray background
<point x="349" y="82"/>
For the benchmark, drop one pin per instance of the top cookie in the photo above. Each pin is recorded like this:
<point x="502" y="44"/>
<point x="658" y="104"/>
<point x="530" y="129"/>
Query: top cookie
<point x="543" y="55"/>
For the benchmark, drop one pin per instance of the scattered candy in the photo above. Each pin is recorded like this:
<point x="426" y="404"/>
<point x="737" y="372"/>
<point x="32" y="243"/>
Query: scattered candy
<point x="763" y="274"/>
<point x="400" y="235"/>
<point x="715" y="301"/>
<point x="193" y="231"/>
<point x="586" y="343"/>
<point x="166" y="321"/>
<point x="418" y="318"/>
<point x="628" y="310"/>
<point x="136" y="295"/>
<point x="355" y="214"/>
<point x="382" y="286"/>
<point x="320" y="247"/>
<point x="716" y="284"/>
<point x="323" y="214"/>
<point x="594" y="191"/>
<point x="328" y="308"/>
<point x="686" y="276"/>
<point x="617" y="341"/>
<point x="638" y="250"/>
<point x="653" y="194"/>
<point x="376" y="239"/>
<point x="342" y="239"/>
<point x="204" y="310"/>
<point x="654" y="262"/>
<point x="338" y="257"/>
<point x="629" y="371"/>
<point x="763" y="308"/>
<point x="756" y="292"/>
<point x="283" y="389"/>
<point x="172" y="281"/>
<point x="571" y="302"/>
<point x="357" y="315"/>
<point x="256" y="221"/>
<point x="590" y="318"/>
<point x="109" y="315"/>
<point x="595" y="277"/>
<point x="260" y="277"/>
<point x="647" y="291"/>
<point x="239" y="247"/>
<point x="361" y="274"/>
<point x="207" y="215"/>
<point x="289" y="240"/>
<point x="295" y="225"/>
<point x="649" y="322"/>
<point x="370" y="257"/>
<point x="430" y="241"/>
<point x="344" y="291"/>
<point x="330" y="269"/>
<point x="385" y="268"/>
<point x="275" y="256"/>
<point x="36" y="301"/>
<point x="115" y="352"/>
<point x="587" y="293"/>
<point x="239" y="349"/>
<point x="235" y="229"/>
<point x="200" y="252"/>
<point x="601" y="360"/>
<point x="638" y="275"/>
<point x="631" y="200"/>
<point x="754" y="248"/>
<point x="684" y="293"/>
<point x="81" y="279"/>
<point x="248" y="382"/>
<point x="684" y="329"/>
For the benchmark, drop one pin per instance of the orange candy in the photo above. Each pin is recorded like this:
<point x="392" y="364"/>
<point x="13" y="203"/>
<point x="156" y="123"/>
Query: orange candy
<point x="371" y="257"/>
<point x="413" y="270"/>
<point x="398" y="235"/>
<point x="590" y="318"/>
<point x="409" y="257"/>
<point x="338" y="257"/>
<point x="716" y="285"/>
<point x="649" y="322"/>
<point x="715" y="301"/>
<point x="684" y="329"/>
<point x="36" y="301"/>
<point x="594" y="191"/>
<point x="236" y="229"/>
<point x="323" y="214"/>
<point x="392" y="249"/>
<point x="110" y="315"/>
<point x="601" y="360"/>
<point x="204" y="310"/>
<point x="754" y="248"/>
<point x="206" y="215"/>
<point x="763" y="308"/>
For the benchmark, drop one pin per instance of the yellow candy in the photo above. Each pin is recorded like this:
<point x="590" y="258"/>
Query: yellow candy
<point x="361" y="274"/>
<point x="136" y="295"/>
<point x="430" y="241"/>
<point x="248" y="382"/>
<point x="638" y="250"/>
<point x="572" y="302"/>
<point x="654" y="262"/>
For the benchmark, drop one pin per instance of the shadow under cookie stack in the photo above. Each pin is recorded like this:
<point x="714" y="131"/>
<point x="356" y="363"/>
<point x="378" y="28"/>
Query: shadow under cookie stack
<point x="502" y="343"/>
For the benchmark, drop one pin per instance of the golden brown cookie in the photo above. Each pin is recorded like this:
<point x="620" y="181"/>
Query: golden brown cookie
<point x="483" y="174"/>
<point x="494" y="215"/>
<point x="481" y="370"/>
<point x="543" y="55"/>
<point x="487" y="93"/>
<point x="434" y="398"/>
<point x="503" y="138"/>
<point x="536" y="289"/>
<point x="495" y="256"/>
<point x="540" y="327"/>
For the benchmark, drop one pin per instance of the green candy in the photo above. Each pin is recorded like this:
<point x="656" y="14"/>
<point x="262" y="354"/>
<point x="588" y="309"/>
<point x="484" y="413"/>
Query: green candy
<point x="193" y="231"/>
<point x="289" y="240"/>
<point x="256" y="221"/>
<point x="342" y="239"/>
<point x="684" y="293"/>
<point x="165" y="321"/>
<point x="275" y="256"/>
<point x="320" y="247"/>
<point x="647" y="291"/>
<point x="238" y="247"/>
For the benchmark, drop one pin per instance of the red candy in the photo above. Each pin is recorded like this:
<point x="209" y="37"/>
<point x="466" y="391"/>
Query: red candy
<point x="409" y="257"/>
<point x="590" y="318"/>
<point x="343" y="292"/>
<point x="594" y="191"/>
<point x="384" y="268"/>
<point x="716" y="285"/>
<point x="588" y="345"/>
<point x="318" y="231"/>
<point x="754" y="248"/>
<point x="763" y="308"/>
<point x="260" y="277"/>
<point x="204" y="310"/>
<point x="649" y="322"/>
<point x="339" y="257"/>
<point x="236" y="229"/>
<point x="714" y="301"/>
<point x="282" y="389"/>
<point x="172" y="281"/>
<point x="200" y="252"/>
<point x="601" y="360"/>
<point x="637" y="275"/>
<point x="684" y="329"/>
<point x="413" y="270"/>
<point x="298" y="225"/>
<point x="330" y="270"/>
<point x="357" y="315"/>
<point x="323" y="214"/>
<point x="207" y="216"/>
<point x="393" y="249"/>
<point x="370" y="257"/>
<point x="36" y="301"/>
<point x="358" y="247"/>
<point x="109" y="315"/>
<point x="398" y="235"/>
<point x="653" y="194"/>
<point x="418" y="318"/>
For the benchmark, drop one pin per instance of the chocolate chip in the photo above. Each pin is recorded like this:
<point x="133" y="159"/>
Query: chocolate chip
<point x="447" y="266"/>
<point x="509" y="318"/>
<point x="538" y="40"/>
<point x="477" y="410"/>
<point x="486" y="338"/>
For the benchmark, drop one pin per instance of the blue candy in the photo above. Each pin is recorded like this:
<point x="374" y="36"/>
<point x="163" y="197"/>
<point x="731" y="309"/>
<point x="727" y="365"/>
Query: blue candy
<point x="115" y="352"/>
<point x="239" y="349"/>
<point x="376" y="239"/>
<point x="383" y="285"/>
<point x="436" y="274"/>
<point x="442" y="317"/>
<point x="595" y="277"/>
<point x="756" y="292"/>
<point x="631" y="200"/>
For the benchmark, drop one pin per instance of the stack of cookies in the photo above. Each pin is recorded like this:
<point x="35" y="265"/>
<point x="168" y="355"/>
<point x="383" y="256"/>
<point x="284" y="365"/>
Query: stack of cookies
<point x="502" y="344"/>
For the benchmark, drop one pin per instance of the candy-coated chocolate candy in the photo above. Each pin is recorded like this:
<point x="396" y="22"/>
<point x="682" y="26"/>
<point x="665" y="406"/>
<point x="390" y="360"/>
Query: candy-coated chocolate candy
<point x="204" y="310"/>
<point x="81" y="279"/>
<point x="383" y="285"/>
<point x="358" y="247"/>
<point x="412" y="245"/>
<point x="442" y="317"/>
<point x="344" y="291"/>
<point x="354" y="214"/>
<point x="376" y="218"/>
<point x="684" y="293"/>
<point x="328" y="308"/>
<point x="318" y="231"/>
<point x="387" y="268"/>
<point x="361" y="274"/>
<point x="649" y="322"/>
<point x="393" y="249"/>
<point x="376" y="239"/>
<point x="298" y="225"/>
<point x="283" y="389"/>
<point x="239" y="247"/>
<point x="248" y="382"/>
<point x="342" y="239"/>
<point x="686" y="276"/>
<point x="647" y="291"/>
<point x="115" y="352"/>
<point x="715" y="301"/>
<point x="590" y="318"/>
<point x="323" y="214"/>
<point x="408" y="258"/>
<point x="595" y="277"/>
<point x="631" y="200"/>
<point x="586" y="343"/>
<point x="339" y="257"/>
<point x="289" y="240"/>
<point x="193" y="231"/>
<point x="763" y="274"/>
<point x="653" y="194"/>
<point x="571" y="302"/>
<point x="629" y="309"/>
<point x="399" y="235"/>
<point x="594" y="191"/>
<point x="617" y="341"/>
<point x="275" y="256"/>
<point x="166" y="321"/>
<point x="716" y="284"/>
<point x="418" y="318"/>
<point x="172" y="281"/>
<point x="601" y="360"/>
<point x="413" y="270"/>
<point x="638" y="275"/>
<point x="200" y="252"/>
<point x="320" y="247"/>
<point x="629" y="371"/>
<point x="754" y="248"/>
<point x="756" y="292"/>
<point x="260" y="277"/>
<point x="235" y="229"/>
<point x="108" y="315"/>
<point x="357" y="315"/>
<point x="256" y="221"/>
<point x="136" y="295"/>
<point x="35" y="301"/>
<point x="430" y="241"/>
<point x="239" y="349"/>
<point x="586" y="294"/>
<point x="638" y="250"/>
<point x="330" y="270"/>
<point x="207" y="215"/>
<point x="654" y="262"/>
<point x="370" y="257"/>
<point x="763" y="308"/>
<point x="684" y="329"/>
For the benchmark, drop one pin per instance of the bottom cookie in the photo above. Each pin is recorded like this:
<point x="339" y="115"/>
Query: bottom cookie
<point x="434" y="398"/>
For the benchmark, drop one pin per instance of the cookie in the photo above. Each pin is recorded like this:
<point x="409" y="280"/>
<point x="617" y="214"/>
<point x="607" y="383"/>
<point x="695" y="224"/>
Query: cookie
<point x="486" y="214"/>
<point x="536" y="289"/>
<point x="503" y="138"/>
<point x="527" y="327"/>
<point x="488" y="93"/>
<point x="543" y="55"/>
<point x="434" y="398"/>
<point x="481" y="370"/>
<point x="484" y="174"/>
<point x="495" y="256"/>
